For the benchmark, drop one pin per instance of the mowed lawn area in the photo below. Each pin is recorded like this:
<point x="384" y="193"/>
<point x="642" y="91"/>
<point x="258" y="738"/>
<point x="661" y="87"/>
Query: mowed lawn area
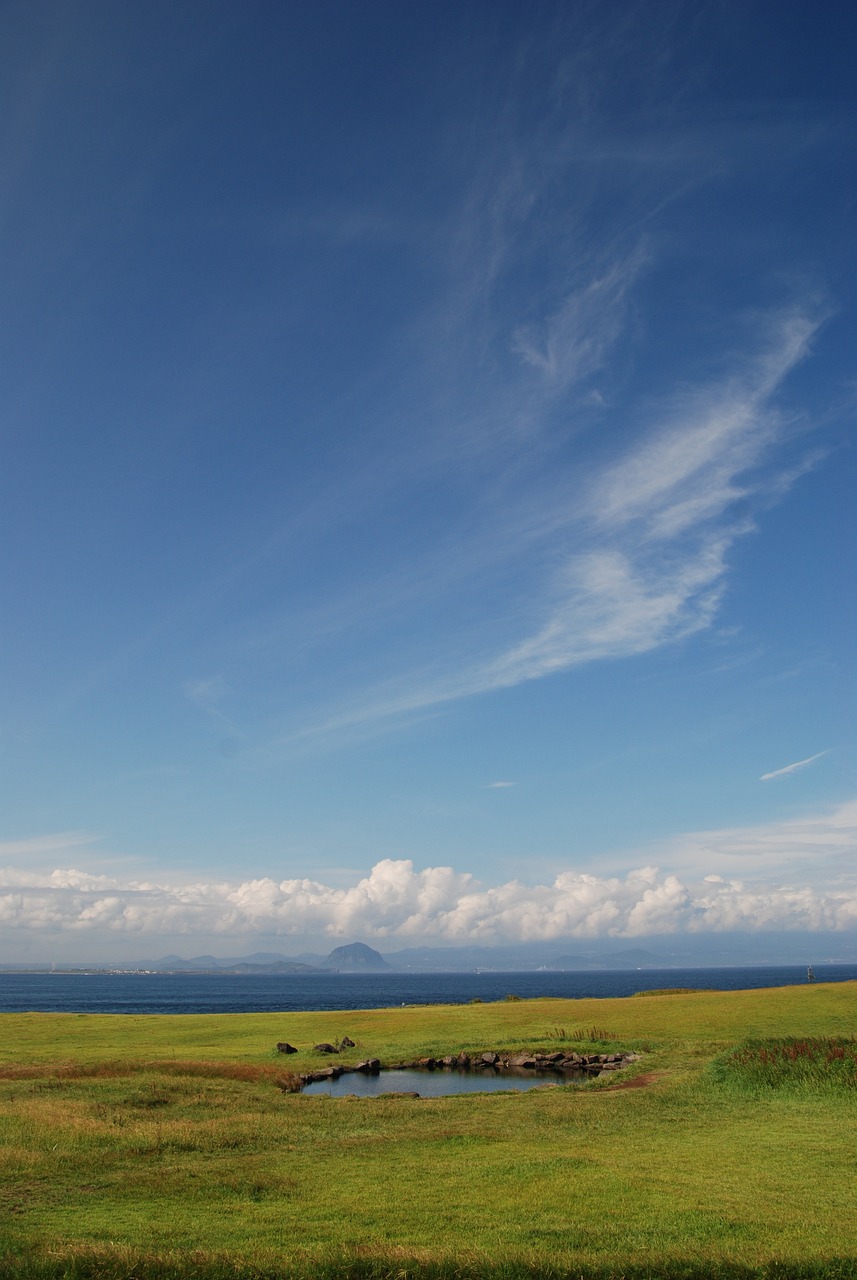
<point x="165" y="1146"/>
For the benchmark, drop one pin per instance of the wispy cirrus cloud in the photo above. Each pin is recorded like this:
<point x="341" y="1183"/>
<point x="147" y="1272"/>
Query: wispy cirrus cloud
<point x="622" y="558"/>
<point x="793" y="768"/>
<point x="573" y="341"/>
<point x="814" y="846"/>
<point x="38" y="845"/>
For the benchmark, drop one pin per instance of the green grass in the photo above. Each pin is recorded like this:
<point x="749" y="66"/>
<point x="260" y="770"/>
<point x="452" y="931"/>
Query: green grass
<point x="166" y="1147"/>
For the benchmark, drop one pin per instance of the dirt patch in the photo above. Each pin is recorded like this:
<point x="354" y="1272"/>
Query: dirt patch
<point x="639" y="1082"/>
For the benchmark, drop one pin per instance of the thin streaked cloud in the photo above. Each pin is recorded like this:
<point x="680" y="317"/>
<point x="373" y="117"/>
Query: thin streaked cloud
<point x="47" y="844"/>
<point x="793" y="768"/>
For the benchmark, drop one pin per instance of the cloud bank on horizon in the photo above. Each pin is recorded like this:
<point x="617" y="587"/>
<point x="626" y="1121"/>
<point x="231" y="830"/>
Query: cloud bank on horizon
<point x="440" y="905"/>
<point x="431" y="435"/>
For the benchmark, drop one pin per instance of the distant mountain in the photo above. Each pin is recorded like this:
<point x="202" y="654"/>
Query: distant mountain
<point x="177" y="964"/>
<point x="356" y="957"/>
<point x="265" y="957"/>
<point x="516" y="958"/>
<point x="264" y="962"/>
<point x="570" y="954"/>
<point x="519" y="958"/>
<point x="275" y="966"/>
<point x="634" y="958"/>
<point x="572" y="963"/>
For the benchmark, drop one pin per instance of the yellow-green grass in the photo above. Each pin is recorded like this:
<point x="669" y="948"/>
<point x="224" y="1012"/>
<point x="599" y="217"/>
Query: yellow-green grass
<point x="160" y="1146"/>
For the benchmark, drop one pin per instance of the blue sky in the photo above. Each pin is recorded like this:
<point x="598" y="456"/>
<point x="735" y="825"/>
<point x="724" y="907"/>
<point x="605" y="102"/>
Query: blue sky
<point x="428" y="473"/>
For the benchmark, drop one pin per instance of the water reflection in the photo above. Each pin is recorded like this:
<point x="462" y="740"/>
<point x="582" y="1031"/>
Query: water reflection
<point x="439" y="1083"/>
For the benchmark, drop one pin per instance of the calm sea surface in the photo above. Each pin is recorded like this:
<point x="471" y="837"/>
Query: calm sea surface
<point x="241" y="993"/>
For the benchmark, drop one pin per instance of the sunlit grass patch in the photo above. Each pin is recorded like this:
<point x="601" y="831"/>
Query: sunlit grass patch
<point x="810" y="1064"/>
<point x="163" y="1150"/>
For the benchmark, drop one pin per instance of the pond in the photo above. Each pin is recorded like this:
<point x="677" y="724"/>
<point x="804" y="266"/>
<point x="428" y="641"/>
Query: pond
<point x="438" y="1083"/>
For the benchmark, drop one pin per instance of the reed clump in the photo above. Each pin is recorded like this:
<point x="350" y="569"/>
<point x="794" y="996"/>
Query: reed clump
<point x="808" y="1064"/>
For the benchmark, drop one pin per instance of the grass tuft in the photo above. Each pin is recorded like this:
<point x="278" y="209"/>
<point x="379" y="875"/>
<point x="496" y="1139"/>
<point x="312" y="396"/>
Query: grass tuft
<point x="812" y="1064"/>
<point x="671" y="991"/>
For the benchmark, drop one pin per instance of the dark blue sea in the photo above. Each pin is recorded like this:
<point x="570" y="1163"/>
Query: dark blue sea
<point x="275" y="993"/>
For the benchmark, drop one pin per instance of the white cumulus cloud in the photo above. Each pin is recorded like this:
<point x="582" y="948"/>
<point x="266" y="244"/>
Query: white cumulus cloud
<point x="397" y="901"/>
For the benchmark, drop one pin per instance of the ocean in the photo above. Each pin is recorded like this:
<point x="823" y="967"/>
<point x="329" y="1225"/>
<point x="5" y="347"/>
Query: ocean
<point x="152" y="993"/>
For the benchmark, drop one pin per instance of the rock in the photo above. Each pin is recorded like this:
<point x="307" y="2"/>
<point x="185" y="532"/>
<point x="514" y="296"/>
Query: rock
<point x="369" y="1067"/>
<point x="324" y="1047"/>
<point x="282" y="1047"/>
<point x="346" y="1043"/>
<point x="324" y="1073"/>
<point x="489" y="1059"/>
<point x="463" y="1059"/>
<point x="523" y="1060"/>
<point x="428" y="1064"/>
<point x="450" y="1060"/>
<point x="289" y="1084"/>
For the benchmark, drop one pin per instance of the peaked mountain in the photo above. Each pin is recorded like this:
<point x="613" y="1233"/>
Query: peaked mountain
<point x="356" y="957"/>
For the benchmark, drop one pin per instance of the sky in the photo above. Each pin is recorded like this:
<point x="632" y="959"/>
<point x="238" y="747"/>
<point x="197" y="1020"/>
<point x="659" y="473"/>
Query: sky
<point x="428" y="474"/>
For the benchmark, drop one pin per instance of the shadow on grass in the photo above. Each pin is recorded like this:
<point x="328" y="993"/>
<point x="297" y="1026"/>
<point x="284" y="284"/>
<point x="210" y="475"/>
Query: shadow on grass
<point x="391" y="1265"/>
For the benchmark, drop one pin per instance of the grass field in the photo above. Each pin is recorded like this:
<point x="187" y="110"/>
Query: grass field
<point x="162" y="1147"/>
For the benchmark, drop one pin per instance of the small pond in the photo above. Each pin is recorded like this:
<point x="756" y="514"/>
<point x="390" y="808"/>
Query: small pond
<point x="438" y="1083"/>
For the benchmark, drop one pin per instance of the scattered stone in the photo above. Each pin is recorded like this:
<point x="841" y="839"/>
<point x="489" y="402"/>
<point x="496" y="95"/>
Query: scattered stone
<point x="590" y="1064"/>
<point x="370" y="1067"/>
<point x="282" y="1047"/>
<point x="346" y="1043"/>
<point x="323" y="1073"/>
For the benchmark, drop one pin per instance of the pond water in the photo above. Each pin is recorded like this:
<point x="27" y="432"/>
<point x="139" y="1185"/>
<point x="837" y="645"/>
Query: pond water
<point x="438" y="1083"/>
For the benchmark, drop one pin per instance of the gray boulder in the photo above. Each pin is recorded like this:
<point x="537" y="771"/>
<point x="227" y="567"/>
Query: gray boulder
<point x="522" y="1060"/>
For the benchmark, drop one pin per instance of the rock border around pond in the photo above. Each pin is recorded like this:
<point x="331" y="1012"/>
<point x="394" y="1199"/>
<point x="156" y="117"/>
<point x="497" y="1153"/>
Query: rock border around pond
<point x="590" y="1064"/>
